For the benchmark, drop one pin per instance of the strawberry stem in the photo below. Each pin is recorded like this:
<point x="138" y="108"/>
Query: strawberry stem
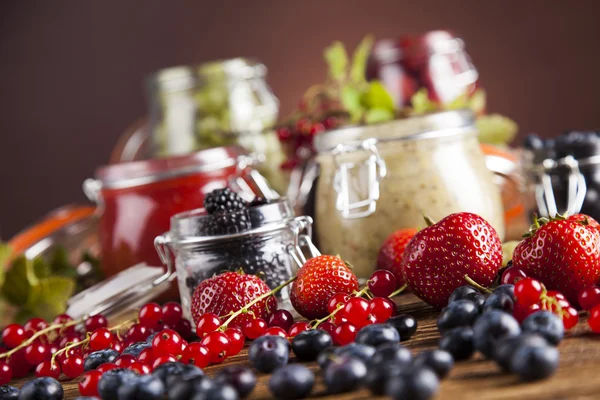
<point x="476" y="285"/>
<point x="246" y="308"/>
<point x="428" y="220"/>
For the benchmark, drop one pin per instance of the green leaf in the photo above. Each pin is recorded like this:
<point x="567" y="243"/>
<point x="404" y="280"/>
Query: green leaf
<point x="477" y="101"/>
<point x="5" y="254"/>
<point x="359" y="60"/>
<point x="20" y="283"/>
<point x="377" y="96"/>
<point x="375" y="115"/>
<point x="496" y="129"/>
<point x="24" y="315"/>
<point x="421" y="103"/>
<point x="41" y="268"/>
<point x="95" y="263"/>
<point x="459" y="102"/>
<point x="351" y="100"/>
<point x="337" y="61"/>
<point x="54" y="293"/>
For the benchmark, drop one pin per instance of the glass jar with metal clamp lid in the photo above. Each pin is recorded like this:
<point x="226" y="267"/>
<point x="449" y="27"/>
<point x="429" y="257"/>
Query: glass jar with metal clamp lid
<point x="271" y="246"/>
<point x="376" y="179"/>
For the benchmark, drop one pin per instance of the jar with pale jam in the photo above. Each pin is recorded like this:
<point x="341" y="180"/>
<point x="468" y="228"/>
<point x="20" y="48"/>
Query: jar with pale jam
<point x="377" y="179"/>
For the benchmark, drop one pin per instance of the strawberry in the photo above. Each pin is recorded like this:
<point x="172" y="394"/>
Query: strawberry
<point x="583" y="218"/>
<point x="562" y="254"/>
<point x="229" y="292"/>
<point x="317" y="281"/>
<point x="390" y="254"/>
<point x="438" y="257"/>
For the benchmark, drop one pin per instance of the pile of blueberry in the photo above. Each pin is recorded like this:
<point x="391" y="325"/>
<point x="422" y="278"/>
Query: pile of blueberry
<point x="579" y="145"/>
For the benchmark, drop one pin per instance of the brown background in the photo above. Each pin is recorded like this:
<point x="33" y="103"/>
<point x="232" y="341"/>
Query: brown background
<point x="71" y="71"/>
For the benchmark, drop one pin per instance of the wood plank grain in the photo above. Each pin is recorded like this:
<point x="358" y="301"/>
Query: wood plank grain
<point x="578" y="376"/>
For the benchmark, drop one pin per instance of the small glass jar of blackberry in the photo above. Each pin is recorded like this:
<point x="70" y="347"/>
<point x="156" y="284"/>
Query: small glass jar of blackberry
<point x="564" y="173"/>
<point x="229" y="234"/>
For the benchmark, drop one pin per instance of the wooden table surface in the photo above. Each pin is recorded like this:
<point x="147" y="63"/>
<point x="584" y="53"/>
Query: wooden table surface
<point x="578" y="376"/>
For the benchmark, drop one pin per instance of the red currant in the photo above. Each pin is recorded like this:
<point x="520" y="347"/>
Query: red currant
<point x="528" y="291"/>
<point x="328" y="327"/>
<point x="556" y="294"/>
<point x="88" y="386"/>
<point x="184" y="328"/>
<point x="255" y="328"/>
<point x="95" y="322"/>
<point x="590" y="297"/>
<point x="69" y="338"/>
<point x="282" y="319"/>
<point x="382" y="309"/>
<point x="275" y="331"/>
<point x="35" y="325"/>
<point x="196" y="354"/>
<point x="511" y="275"/>
<point x="206" y="324"/>
<point x="236" y="340"/>
<point x="356" y="311"/>
<point x="570" y="317"/>
<point x="125" y="361"/>
<point x="284" y="134"/>
<point x="73" y="351"/>
<point x="151" y="316"/>
<point x="63" y="319"/>
<point x="337" y="300"/>
<point x="345" y="334"/>
<point x="47" y="368"/>
<point x="217" y="344"/>
<point x="163" y="360"/>
<point x="37" y="352"/>
<point x="382" y="283"/>
<point x="298" y="327"/>
<point x="167" y="343"/>
<point x="106" y="367"/>
<point x="101" y="339"/>
<point x="339" y="318"/>
<point x="147" y="356"/>
<point x="172" y="313"/>
<point x="140" y="368"/>
<point x="73" y="367"/>
<point x="18" y="363"/>
<point x="521" y="312"/>
<point x="330" y="122"/>
<point x="13" y="335"/>
<point x="117" y="346"/>
<point x="5" y="373"/>
<point x="137" y="333"/>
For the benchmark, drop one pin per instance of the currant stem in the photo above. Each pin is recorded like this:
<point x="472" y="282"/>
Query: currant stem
<point x="246" y="308"/>
<point x="40" y="333"/>
<point x="316" y="323"/>
<point x="398" y="291"/>
<point x="477" y="286"/>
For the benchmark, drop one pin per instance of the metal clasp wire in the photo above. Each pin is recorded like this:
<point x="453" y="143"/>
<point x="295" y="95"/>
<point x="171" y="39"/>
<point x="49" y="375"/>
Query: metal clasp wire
<point x="376" y="171"/>
<point x="161" y="244"/>
<point x="240" y="184"/>
<point x="302" y="231"/>
<point x="544" y="193"/>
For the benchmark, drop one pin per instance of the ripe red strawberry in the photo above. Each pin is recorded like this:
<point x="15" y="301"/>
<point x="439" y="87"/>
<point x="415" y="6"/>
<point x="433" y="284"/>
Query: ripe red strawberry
<point x="438" y="257"/>
<point x="390" y="254"/>
<point x="582" y="217"/>
<point x="317" y="281"/>
<point x="229" y="292"/>
<point x="562" y="254"/>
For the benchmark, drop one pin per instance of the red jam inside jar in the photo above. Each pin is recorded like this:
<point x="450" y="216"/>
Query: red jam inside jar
<point x="139" y="198"/>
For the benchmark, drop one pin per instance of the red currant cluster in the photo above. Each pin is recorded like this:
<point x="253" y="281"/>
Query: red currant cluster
<point x="532" y="296"/>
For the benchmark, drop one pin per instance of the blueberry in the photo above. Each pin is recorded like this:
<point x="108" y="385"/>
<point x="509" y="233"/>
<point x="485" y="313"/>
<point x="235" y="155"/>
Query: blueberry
<point x="97" y="358"/>
<point x="185" y="389"/>
<point x="80" y="398"/>
<point x="150" y="338"/>
<point x="324" y="358"/>
<point x="111" y="381"/>
<point x="491" y="327"/>
<point x="506" y="348"/>
<point x="145" y="387"/>
<point x="171" y="371"/>
<point x="363" y="352"/>
<point x="269" y="352"/>
<point x="242" y="379"/>
<point x="499" y="301"/>
<point x="308" y="344"/>
<point x="8" y="392"/>
<point x="379" y="374"/>
<point x="414" y="384"/>
<point x="546" y="324"/>
<point x="477" y="298"/>
<point x="405" y="324"/>
<point x="377" y="334"/>
<point x="460" y="293"/>
<point x="391" y="352"/>
<point x="344" y="374"/>
<point x="224" y="392"/>
<point x="458" y="313"/>
<point x="458" y="342"/>
<point x="42" y="388"/>
<point x="533" y="142"/>
<point x="506" y="288"/>
<point x="188" y="372"/>
<point x="534" y="362"/>
<point x="439" y="361"/>
<point x="136" y="348"/>
<point x="292" y="382"/>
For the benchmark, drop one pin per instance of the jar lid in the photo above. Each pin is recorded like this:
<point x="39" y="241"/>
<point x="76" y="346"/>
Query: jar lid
<point x="428" y="126"/>
<point x="137" y="173"/>
<point x="197" y="226"/>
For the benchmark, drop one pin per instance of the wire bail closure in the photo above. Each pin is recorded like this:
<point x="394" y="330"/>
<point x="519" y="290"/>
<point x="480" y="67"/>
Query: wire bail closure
<point x="302" y="230"/>
<point x="241" y="186"/>
<point x="544" y="192"/>
<point x="376" y="170"/>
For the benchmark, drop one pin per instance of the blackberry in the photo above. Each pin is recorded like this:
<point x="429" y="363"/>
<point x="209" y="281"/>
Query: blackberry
<point x="223" y="201"/>
<point x="227" y="223"/>
<point x="258" y="201"/>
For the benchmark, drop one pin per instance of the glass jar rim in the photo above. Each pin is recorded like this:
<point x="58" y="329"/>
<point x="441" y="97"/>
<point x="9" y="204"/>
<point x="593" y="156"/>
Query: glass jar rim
<point x="433" y="125"/>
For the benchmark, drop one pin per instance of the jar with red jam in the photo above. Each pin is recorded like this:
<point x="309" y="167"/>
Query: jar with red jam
<point x="137" y="199"/>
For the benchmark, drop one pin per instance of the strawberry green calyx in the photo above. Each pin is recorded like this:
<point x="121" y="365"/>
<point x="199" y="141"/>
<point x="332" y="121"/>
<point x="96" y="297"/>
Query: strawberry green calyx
<point x="539" y="222"/>
<point x="428" y="220"/>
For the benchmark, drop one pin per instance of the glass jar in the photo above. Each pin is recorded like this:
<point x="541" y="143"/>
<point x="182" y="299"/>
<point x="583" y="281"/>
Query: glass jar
<point x="436" y="60"/>
<point x="137" y="199"/>
<point x="376" y="179"/>
<point x="220" y="103"/>
<point x="266" y="248"/>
